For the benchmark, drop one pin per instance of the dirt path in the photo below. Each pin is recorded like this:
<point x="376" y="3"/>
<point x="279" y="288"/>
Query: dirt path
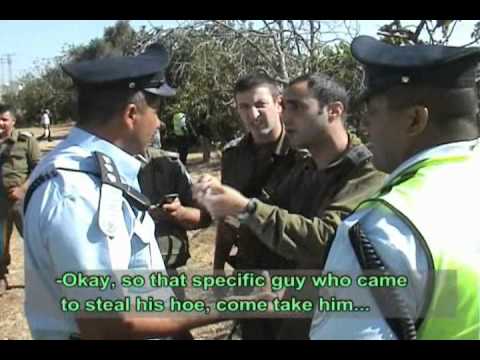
<point x="13" y="324"/>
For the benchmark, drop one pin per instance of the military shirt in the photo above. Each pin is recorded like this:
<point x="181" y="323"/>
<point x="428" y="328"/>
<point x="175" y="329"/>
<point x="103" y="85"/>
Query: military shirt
<point x="63" y="233"/>
<point x="164" y="174"/>
<point x="311" y="203"/>
<point x="250" y="168"/>
<point x="19" y="154"/>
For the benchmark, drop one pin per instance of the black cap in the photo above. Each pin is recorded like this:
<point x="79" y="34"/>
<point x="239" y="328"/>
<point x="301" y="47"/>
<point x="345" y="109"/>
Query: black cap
<point x="387" y="65"/>
<point x="145" y="71"/>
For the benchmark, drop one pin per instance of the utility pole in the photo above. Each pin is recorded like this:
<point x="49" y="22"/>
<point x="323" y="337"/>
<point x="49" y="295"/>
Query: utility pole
<point x="1" y="78"/>
<point x="7" y="59"/>
<point x="2" y="81"/>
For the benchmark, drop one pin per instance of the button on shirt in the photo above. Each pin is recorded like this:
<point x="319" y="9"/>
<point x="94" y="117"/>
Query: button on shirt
<point x="62" y="232"/>
<point x="399" y="248"/>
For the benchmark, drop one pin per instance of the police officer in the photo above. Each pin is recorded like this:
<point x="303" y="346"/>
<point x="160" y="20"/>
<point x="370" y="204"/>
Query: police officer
<point x="422" y="224"/>
<point x="84" y="211"/>
<point x="317" y="193"/>
<point x="19" y="154"/>
<point x="182" y="132"/>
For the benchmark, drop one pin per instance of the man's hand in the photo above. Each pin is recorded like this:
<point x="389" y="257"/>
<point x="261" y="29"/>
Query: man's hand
<point x="189" y="218"/>
<point x="16" y="193"/>
<point x="175" y="211"/>
<point x="220" y="200"/>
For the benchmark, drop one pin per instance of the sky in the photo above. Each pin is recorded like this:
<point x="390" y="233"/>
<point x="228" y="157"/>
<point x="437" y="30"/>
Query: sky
<point x="33" y="41"/>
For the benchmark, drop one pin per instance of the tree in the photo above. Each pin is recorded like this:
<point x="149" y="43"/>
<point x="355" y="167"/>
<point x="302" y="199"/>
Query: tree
<point x="433" y="31"/>
<point x="48" y="87"/>
<point x="209" y="56"/>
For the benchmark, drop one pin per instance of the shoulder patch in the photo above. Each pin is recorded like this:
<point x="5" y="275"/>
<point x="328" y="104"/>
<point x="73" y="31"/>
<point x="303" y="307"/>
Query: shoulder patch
<point x="25" y="134"/>
<point x="233" y="143"/>
<point x="302" y="154"/>
<point x="172" y="155"/>
<point x="160" y="153"/>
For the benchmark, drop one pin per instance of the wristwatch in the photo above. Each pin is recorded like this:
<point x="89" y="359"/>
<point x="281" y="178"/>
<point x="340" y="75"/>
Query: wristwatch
<point x="249" y="210"/>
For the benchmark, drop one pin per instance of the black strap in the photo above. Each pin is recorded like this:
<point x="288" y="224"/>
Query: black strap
<point x="390" y="301"/>
<point x="355" y="157"/>
<point x="110" y="175"/>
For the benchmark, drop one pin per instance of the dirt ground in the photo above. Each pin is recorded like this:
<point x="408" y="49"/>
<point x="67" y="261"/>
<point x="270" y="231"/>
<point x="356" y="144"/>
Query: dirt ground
<point x="13" y="324"/>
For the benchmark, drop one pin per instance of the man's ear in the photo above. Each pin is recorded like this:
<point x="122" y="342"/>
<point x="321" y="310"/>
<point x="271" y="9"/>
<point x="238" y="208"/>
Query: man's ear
<point x="129" y="116"/>
<point x="418" y="117"/>
<point x="279" y="103"/>
<point x="335" y="110"/>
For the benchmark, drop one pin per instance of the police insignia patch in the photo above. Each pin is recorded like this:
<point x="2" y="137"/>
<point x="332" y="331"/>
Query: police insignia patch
<point x="110" y="209"/>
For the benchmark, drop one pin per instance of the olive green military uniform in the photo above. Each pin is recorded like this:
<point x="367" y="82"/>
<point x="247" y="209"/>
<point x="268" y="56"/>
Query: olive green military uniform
<point x="19" y="154"/>
<point x="164" y="174"/>
<point x="251" y="168"/>
<point x="317" y="201"/>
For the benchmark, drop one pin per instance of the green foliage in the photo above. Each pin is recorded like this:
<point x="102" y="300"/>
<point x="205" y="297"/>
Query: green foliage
<point x="207" y="57"/>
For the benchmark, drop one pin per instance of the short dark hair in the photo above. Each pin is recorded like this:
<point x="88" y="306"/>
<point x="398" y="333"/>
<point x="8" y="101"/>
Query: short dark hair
<point x="445" y="104"/>
<point x="97" y="105"/>
<point x="324" y="88"/>
<point x="8" y="108"/>
<point x="255" y="80"/>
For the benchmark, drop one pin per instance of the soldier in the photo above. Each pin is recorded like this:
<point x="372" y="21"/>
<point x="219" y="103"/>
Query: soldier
<point x="19" y="154"/>
<point x="317" y="193"/>
<point x="250" y="164"/>
<point x="422" y="225"/>
<point x="168" y="185"/>
<point x="84" y="211"/>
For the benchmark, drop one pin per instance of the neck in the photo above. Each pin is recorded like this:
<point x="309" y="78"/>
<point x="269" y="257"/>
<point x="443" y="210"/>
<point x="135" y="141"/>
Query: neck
<point x="4" y="135"/>
<point x="436" y="137"/>
<point x="329" y="149"/>
<point x="272" y="137"/>
<point x="110" y="134"/>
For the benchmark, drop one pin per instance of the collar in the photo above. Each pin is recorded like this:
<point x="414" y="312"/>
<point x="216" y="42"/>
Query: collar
<point x="13" y="137"/>
<point x="280" y="147"/>
<point x="457" y="148"/>
<point x="353" y="141"/>
<point x="128" y="166"/>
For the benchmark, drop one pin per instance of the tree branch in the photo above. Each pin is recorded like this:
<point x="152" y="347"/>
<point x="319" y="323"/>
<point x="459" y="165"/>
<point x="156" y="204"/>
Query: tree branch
<point x="455" y="22"/>
<point x="283" y="65"/>
<point x="418" y="30"/>
<point x="260" y="51"/>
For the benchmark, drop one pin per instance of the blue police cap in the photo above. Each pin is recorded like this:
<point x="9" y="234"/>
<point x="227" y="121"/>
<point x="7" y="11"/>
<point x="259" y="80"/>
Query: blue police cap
<point x="387" y="65"/>
<point x="145" y="71"/>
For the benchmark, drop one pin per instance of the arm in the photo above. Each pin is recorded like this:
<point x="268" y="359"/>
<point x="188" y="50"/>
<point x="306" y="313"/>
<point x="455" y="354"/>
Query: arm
<point x="190" y="218"/>
<point x="17" y="193"/>
<point x="400" y="251"/>
<point x="141" y="328"/>
<point x="292" y="236"/>
<point x="34" y="154"/>
<point x="83" y="247"/>
<point x="185" y="211"/>
<point x="144" y="328"/>
<point x="224" y="241"/>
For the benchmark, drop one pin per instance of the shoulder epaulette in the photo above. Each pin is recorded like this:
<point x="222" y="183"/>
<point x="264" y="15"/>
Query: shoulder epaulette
<point x="233" y="143"/>
<point x="25" y="133"/>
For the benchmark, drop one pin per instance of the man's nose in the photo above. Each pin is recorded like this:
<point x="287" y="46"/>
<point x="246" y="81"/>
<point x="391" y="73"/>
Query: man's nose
<point x="253" y="113"/>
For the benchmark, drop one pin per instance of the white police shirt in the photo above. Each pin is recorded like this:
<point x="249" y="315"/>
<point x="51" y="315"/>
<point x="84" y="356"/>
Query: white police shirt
<point x="62" y="232"/>
<point x="399" y="249"/>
